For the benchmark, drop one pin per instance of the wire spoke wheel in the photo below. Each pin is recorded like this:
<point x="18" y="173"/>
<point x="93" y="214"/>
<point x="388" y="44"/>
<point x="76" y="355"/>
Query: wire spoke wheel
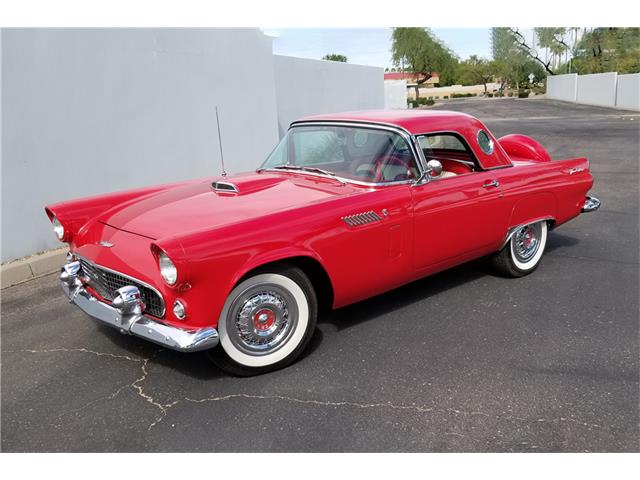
<point x="266" y="322"/>
<point x="522" y="253"/>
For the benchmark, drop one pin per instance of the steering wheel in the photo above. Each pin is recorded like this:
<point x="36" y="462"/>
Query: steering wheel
<point x="390" y="160"/>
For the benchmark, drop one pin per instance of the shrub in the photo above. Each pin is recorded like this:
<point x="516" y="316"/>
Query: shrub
<point x="523" y="94"/>
<point x="490" y="95"/>
<point x="510" y="94"/>
<point x="412" y="103"/>
<point x="430" y="102"/>
<point x="462" y="95"/>
<point x="446" y="96"/>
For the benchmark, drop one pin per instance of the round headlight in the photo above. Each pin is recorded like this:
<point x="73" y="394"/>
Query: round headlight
<point x="58" y="229"/>
<point x="167" y="269"/>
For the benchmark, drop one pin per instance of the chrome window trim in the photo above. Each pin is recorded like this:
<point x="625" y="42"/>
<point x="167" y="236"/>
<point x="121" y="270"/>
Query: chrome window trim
<point x="164" y="306"/>
<point x="418" y="159"/>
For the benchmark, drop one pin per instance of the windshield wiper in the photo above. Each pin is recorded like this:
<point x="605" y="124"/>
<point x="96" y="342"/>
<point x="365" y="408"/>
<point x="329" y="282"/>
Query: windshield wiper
<point x="304" y="168"/>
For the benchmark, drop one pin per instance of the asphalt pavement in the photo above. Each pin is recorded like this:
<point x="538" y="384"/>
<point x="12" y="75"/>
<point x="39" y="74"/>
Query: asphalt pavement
<point x="461" y="361"/>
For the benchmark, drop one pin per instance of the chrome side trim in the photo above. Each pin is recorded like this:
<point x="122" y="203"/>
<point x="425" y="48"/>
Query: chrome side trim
<point x="591" y="204"/>
<point x="363" y="218"/>
<point x="150" y="287"/>
<point x="512" y="230"/>
<point x="129" y="319"/>
<point x="227" y="187"/>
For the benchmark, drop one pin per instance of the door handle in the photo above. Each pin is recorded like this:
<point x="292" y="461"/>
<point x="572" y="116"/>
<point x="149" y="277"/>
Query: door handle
<point x="491" y="184"/>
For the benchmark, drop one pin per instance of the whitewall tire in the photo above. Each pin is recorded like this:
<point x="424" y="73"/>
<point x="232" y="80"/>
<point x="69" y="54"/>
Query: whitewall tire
<point x="266" y="322"/>
<point x="523" y="252"/>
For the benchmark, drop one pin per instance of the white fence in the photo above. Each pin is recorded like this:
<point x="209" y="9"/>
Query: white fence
<point x="89" y="111"/>
<point x="628" y="91"/>
<point x="601" y="89"/>
<point x="395" y="94"/>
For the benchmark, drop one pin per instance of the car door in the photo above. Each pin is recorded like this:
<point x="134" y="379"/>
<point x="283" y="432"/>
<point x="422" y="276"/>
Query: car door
<point x="457" y="218"/>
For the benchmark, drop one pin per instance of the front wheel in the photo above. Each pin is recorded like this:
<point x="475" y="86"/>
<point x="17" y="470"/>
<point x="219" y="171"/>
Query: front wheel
<point x="266" y="322"/>
<point x="522" y="253"/>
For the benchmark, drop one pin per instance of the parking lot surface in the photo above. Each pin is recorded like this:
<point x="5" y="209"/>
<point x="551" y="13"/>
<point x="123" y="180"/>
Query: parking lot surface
<point x="460" y="361"/>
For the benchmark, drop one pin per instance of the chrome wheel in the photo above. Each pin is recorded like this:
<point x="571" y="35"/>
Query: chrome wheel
<point x="526" y="241"/>
<point x="262" y="318"/>
<point x="266" y="321"/>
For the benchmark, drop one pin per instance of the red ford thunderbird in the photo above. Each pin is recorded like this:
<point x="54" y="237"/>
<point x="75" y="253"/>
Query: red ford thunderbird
<point x="346" y="207"/>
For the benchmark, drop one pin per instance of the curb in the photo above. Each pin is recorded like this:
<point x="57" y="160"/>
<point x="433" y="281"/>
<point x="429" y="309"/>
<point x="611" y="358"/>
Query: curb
<point x="35" y="266"/>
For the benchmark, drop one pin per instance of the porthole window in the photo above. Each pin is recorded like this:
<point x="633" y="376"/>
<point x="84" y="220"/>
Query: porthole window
<point x="485" y="142"/>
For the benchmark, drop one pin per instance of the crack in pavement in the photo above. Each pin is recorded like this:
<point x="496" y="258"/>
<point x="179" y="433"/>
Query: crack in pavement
<point x="417" y="408"/>
<point x="136" y="385"/>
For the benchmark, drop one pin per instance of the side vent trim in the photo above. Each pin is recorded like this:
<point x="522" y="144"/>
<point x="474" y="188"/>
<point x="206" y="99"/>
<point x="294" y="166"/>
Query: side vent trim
<point x="226" y="187"/>
<point x="363" y="218"/>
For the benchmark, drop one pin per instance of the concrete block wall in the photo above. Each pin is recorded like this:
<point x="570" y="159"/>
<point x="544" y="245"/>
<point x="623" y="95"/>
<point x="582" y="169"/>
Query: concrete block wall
<point x="89" y="111"/>
<point x="628" y="91"/>
<point x="306" y="87"/>
<point x="563" y="87"/>
<point x="602" y="89"/>
<point x="395" y="94"/>
<point x="597" y="89"/>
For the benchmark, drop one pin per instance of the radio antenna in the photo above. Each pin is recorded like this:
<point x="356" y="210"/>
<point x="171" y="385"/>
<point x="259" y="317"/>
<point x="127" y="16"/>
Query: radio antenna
<point x="224" y="172"/>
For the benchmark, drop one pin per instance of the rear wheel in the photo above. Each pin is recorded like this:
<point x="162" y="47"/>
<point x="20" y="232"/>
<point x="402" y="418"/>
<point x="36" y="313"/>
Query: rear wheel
<point x="522" y="253"/>
<point x="266" y="322"/>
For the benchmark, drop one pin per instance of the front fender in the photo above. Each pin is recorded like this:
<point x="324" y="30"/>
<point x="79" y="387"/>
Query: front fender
<point x="272" y="256"/>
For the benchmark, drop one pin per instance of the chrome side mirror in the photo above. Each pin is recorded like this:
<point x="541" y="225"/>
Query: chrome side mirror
<point x="434" y="167"/>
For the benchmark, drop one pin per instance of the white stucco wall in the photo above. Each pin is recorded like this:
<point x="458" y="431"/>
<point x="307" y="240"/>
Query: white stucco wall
<point x="628" y="91"/>
<point x="597" y="89"/>
<point x="306" y="87"/>
<point x="562" y="87"/>
<point x="88" y="111"/>
<point x="395" y="94"/>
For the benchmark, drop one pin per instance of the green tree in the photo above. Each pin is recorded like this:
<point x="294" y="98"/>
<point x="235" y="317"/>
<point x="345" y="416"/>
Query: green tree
<point x="475" y="70"/>
<point x="417" y="50"/>
<point x="608" y="50"/>
<point x="335" y="57"/>
<point x="509" y="58"/>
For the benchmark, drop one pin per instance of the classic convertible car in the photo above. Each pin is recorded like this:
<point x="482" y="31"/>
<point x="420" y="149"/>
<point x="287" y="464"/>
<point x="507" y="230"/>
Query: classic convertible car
<point x="346" y="207"/>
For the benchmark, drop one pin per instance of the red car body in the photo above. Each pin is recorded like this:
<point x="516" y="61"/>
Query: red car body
<point x="215" y="237"/>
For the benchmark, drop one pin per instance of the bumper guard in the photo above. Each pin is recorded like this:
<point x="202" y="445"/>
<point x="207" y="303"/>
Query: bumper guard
<point x="591" y="204"/>
<point x="125" y="314"/>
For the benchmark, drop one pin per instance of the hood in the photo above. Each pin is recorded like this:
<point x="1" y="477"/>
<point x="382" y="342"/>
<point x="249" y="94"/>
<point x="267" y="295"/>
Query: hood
<point x="196" y="206"/>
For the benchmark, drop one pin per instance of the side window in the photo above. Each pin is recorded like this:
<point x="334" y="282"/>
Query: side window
<point x="443" y="142"/>
<point x="451" y="151"/>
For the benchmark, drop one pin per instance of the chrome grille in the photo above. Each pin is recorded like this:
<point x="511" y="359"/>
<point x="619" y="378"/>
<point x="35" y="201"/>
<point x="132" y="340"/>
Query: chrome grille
<point x="361" y="218"/>
<point x="106" y="282"/>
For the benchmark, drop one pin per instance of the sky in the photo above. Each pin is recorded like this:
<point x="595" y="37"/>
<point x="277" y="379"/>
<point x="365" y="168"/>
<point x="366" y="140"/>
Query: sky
<point x="369" y="46"/>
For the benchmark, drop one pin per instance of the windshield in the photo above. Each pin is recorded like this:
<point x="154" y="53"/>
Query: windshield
<point x="357" y="153"/>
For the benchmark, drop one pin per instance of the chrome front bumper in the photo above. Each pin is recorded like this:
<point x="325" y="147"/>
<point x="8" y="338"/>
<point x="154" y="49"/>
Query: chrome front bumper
<point x="591" y="204"/>
<point x="125" y="314"/>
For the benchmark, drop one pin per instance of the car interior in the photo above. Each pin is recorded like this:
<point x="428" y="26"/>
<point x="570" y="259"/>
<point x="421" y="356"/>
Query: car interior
<point x="451" y="151"/>
<point x="371" y="155"/>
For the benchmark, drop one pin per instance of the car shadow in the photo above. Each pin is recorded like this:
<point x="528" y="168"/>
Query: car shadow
<point x="198" y="366"/>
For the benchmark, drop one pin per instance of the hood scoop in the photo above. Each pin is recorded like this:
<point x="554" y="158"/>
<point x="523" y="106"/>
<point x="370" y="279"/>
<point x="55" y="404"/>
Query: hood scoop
<point x="225" y="187"/>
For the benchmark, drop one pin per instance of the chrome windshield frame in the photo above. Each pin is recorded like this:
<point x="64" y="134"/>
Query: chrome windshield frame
<point x="410" y="139"/>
